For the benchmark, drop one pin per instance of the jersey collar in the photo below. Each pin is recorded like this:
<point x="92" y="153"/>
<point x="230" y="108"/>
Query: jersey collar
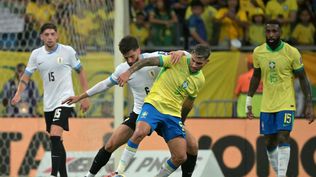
<point x="276" y="49"/>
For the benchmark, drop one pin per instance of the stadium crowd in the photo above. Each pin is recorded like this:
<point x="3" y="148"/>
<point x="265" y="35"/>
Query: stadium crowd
<point x="229" y="23"/>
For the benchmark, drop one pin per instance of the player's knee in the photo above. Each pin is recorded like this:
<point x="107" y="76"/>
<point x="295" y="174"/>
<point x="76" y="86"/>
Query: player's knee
<point x="192" y="147"/>
<point x="283" y="137"/>
<point x="179" y="159"/>
<point x="110" y="146"/>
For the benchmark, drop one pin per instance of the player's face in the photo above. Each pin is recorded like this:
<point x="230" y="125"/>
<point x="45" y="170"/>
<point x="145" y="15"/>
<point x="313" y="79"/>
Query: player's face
<point x="273" y="33"/>
<point x="197" y="63"/>
<point x="132" y="56"/>
<point x="49" y="37"/>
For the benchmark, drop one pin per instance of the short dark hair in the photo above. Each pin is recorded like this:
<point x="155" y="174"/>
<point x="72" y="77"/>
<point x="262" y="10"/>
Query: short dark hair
<point x="196" y="3"/>
<point x="128" y="43"/>
<point x="273" y="22"/>
<point x="202" y="51"/>
<point x="48" y="26"/>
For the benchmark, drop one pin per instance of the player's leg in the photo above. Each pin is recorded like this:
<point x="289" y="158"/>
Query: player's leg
<point x="174" y="134"/>
<point x="146" y="122"/>
<point x="284" y="125"/>
<point x="268" y="128"/>
<point x="56" y="123"/>
<point x="119" y="137"/>
<point x="192" y="150"/>
<point x="177" y="147"/>
<point x="142" y="129"/>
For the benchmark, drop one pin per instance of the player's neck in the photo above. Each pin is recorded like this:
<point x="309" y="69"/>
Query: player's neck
<point x="274" y="45"/>
<point x="51" y="49"/>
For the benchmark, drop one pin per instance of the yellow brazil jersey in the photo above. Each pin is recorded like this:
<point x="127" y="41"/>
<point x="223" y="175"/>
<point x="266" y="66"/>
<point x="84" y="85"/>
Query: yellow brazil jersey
<point x="277" y="73"/>
<point x="174" y="83"/>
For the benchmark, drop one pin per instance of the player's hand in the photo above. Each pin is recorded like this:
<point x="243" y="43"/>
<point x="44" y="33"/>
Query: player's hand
<point x="249" y="112"/>
<point x="123" y="78"/>
<point x="71" y="100"/>
<point x="309" y="113"/>
<point x="15" y="99"/>
<point x="85" y="104"/>
<point x="176" y="56"/>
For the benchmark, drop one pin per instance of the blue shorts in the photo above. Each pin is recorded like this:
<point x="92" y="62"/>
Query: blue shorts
<point x="272" y="123"/>
<point x="167" y="126"/>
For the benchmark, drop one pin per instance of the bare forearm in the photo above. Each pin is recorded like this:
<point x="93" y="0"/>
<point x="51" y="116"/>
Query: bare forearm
<point x="83" y="80"/>
<point x="154" y="61"/>
<point x="186" y="108"/>
<point x="22" y="84"/>
<point x="254" y="83"/>
<point x="305" y="87"/>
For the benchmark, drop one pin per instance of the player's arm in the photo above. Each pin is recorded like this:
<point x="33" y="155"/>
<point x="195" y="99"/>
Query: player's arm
<point x="153" y="61"/>
<point x="254" y="84"/>
<point x="309" y="112"/>
<point x="85" y="104"/>
<point x="96" y="89"/>
<point x="187" y="105"/>
<point x="21" y="87"/>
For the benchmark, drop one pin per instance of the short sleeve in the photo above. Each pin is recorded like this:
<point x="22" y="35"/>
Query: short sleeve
<point x="31" y="65"/>
<point x="74" y="59"/>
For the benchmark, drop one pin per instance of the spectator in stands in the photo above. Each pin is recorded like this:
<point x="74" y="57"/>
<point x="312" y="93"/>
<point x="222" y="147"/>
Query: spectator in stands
<point x="256" y="31"/>
<point x="29" y="97"/>
<point x="304" y="31"/>
<point x="208" y="17"/>
<point x="140" y="29"/>
<point x="196" y="24"/>
<point x="163" y="22"/>
<point x="283" y="11"/>
<point x="232" y="23"/>
<point x="136" y="7"/>
<point x="41" y="10"/>
<point x="241" y="91"/>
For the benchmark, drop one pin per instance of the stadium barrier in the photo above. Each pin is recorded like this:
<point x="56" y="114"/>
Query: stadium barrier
<point x="236" y="144"/>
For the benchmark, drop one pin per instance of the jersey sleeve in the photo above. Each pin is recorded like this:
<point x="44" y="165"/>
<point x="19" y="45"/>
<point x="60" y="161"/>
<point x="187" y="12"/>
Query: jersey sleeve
<point x="297" y="63"/>
<point x="74" y="59"/>
<point x="255" y="59"/>
<point x="118" y="71"/>
<point x="31" y="65"/>
<point x="153" y="54"/>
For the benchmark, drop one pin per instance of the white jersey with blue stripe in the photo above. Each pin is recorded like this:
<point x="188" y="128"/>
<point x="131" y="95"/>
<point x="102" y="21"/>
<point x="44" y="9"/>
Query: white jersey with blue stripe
<point x="55" y="68"/>
<point x="141" y="81"/>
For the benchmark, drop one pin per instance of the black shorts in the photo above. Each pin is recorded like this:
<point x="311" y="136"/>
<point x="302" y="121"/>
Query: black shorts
<point x="130" y="121"/>
<point x="59" y="117"/>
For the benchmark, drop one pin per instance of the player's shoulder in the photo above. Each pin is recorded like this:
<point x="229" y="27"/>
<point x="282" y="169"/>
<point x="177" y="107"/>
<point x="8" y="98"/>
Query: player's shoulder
<point x="260" y="48"/>
<point x="289" y="47"/>
<point x="66" y="47"/>
<point x="153" y="54"/>
<point x="122" y="67"/>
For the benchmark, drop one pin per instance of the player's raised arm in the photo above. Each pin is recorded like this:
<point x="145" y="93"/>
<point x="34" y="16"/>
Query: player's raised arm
<point x="22" y="85"/>
<point x="123" y="78"/>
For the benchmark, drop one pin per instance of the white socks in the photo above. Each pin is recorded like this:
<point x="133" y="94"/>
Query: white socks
<point x="283" y="160"/>
<point x="89" y="175"/>
<point x="273" y="159"/>
<point x="167" y="168"/>
<point x="126" y="158"/>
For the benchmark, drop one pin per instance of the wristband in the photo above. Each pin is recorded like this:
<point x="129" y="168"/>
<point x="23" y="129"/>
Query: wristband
<point x="248" y="102"/>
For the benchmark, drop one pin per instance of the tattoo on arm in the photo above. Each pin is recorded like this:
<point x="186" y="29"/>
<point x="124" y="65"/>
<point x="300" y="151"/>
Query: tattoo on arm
<point x="154" y="61"/>
<point x="254" y="83"/>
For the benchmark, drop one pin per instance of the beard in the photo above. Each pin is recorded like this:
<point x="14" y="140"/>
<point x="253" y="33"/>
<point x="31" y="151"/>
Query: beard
<point x="273" y="45"/>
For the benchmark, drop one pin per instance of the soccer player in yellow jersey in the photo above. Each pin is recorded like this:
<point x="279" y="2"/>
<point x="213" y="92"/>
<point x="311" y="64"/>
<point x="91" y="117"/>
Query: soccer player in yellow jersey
<point x="167" y="105"/>
<point x="277" y="63"/>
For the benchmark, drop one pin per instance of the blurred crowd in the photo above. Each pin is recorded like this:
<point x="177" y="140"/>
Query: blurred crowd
<point x="227" y="23"/>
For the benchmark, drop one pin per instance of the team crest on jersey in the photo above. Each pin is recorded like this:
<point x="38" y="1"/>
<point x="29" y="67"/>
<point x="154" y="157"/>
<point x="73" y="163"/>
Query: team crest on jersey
<point x="272" y="64"/>
<point x="144" y="114"/>
<point x="60" y="60"/>
<point x="185" y="84"/>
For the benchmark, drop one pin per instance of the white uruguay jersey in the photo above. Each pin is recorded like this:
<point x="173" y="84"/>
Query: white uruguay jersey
<point x="55" y="68"/>
<point x="141" y="81"/>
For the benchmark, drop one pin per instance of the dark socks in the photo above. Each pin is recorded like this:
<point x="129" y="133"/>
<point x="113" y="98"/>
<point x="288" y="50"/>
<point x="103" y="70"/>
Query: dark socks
<point x="56" y="147"/>
<point x="100" y="160"/>
<point x="62" y="167"/>
<point x="188" y="166"/>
